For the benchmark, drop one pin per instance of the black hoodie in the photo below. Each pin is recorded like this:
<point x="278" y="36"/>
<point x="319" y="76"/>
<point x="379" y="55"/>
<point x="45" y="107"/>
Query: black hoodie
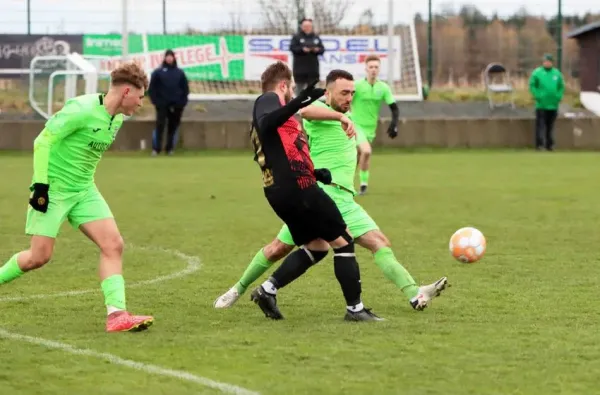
<point x="169" y="85"/>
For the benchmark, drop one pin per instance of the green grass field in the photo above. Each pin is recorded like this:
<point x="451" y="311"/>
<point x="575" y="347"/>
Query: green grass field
<point x="524" y="320"/>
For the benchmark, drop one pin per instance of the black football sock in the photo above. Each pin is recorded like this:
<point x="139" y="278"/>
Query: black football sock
<point x="293" y="266"/>
<point x="347" y="273"/>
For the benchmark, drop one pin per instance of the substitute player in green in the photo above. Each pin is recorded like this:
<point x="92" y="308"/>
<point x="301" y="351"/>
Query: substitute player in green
<point x="330" y="148"/>
<point x="370" y="92"/>
<point x="65" y="156"/>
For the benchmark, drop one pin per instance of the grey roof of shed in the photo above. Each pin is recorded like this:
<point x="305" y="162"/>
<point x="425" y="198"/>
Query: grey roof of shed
<point x="584" y="29"/>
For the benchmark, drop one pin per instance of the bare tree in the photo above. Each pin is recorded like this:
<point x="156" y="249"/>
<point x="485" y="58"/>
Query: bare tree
<point x="281" y="16"/>
<point x="235" y="23"/>
<point x="329" y="14"/>
<point x="366" y="18"/>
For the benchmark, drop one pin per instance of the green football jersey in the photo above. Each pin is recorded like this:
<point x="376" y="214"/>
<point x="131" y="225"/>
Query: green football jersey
<point x="367" y="100"/>
<point x="67" y="151"/>
<point x="331" y="148"/>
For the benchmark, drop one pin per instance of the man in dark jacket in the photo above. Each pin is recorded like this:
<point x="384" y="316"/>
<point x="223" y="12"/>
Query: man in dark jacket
<point x="168" y="92"/>
<point x="547" y="87"/>
<point x="306" y="46"/>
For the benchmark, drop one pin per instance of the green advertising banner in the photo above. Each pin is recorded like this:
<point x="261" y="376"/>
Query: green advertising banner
<point x="212" y="58"/>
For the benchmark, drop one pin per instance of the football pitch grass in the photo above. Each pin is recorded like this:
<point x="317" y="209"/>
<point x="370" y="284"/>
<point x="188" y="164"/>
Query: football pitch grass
<point x="524" y="320"/>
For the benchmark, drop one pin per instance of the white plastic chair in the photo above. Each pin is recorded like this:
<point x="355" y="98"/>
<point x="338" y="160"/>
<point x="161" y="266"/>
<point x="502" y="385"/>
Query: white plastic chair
<point x="497" y="83"/>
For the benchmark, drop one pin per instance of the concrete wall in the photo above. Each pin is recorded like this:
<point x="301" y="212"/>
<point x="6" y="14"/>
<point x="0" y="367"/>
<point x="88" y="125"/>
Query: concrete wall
<point x="581" y="133"/>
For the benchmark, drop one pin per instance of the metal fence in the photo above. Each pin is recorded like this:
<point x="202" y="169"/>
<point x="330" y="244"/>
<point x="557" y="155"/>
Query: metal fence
<point x="454" y="45"/>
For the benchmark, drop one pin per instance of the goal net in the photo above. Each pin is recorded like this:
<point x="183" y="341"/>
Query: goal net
<point x="232" y="41"/>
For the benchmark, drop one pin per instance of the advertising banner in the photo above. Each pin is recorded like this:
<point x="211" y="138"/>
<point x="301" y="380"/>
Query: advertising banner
<point x="17" y="50"/>
<point x="341" y="52"/>
<point x="212" y="58"/>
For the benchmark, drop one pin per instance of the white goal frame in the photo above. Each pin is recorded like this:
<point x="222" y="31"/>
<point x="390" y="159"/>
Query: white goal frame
<point x="76" y="65"/>
<point x="418" y="96"/>
<point x="399" y="97"/>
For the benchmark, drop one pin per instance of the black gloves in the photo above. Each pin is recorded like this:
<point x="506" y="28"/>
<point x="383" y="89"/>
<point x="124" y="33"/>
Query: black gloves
<point x="323" y="175"/>
<point x="392" y="131"/>
<point x="39" y="198"/>
<point x="310" y="94"/>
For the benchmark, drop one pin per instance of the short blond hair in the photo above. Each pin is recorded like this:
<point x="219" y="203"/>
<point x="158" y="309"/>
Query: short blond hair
<point x="130" y="73"/>
<point x="371" y="58"/>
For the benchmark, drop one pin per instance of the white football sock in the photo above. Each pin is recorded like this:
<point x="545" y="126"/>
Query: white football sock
<point x="112" y="309"/>
<point x="269" y="287"/>
<point x="357" y="308"/>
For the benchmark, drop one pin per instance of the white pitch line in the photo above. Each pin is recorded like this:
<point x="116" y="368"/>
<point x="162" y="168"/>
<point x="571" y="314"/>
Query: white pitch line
<point x="151" y="369"/>
<point x="193" y="264"/>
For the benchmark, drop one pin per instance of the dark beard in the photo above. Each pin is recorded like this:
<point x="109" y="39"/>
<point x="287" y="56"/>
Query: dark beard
<point x="336" y="107"/>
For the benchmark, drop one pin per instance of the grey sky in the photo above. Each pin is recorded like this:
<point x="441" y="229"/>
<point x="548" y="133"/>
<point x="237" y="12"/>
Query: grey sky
<point x="103" y="16"/>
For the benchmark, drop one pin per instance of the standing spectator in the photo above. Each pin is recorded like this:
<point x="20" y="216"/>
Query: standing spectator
<point x="168" y="92"/>
<point x="547" y="87"/>
<point x="306" y="46"/>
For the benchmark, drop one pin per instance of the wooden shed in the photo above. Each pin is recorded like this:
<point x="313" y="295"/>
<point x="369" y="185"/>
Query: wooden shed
<point x="588" y="38"/>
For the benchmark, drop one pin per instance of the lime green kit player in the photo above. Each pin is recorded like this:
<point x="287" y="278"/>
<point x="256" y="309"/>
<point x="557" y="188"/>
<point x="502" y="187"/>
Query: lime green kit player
<point x="330" y="148"/>
<point x="366" y="103"/>
<point x="65" y="156"/>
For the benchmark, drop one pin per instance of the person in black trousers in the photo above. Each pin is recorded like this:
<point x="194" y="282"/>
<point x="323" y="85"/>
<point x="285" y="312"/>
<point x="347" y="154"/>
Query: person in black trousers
<point x="306" y="46"/>
<point x="169" y="90"/>
<point x="547" y="86"/>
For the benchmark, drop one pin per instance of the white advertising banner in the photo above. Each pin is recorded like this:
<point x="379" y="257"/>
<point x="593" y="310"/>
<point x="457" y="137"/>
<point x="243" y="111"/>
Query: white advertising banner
<point x="341" y="52"/>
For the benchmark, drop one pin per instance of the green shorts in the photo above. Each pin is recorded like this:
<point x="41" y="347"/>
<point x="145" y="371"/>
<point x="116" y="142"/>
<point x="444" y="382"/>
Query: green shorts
<point x="356" y="218"/>
<point x="78" y="207"/>
<point x="365" y="134"/>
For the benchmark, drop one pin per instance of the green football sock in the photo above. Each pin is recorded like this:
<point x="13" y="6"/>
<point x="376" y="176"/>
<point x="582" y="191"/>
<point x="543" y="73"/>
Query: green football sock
<point x="255" y="269"/>
<point x="363" y="175"/>
<point x="395" y="272"/>
<point x="10" y="270"/>
<point x="113" y="288"/>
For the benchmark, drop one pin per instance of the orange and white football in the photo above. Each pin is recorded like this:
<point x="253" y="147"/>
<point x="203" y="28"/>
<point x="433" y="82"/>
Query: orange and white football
<point x="467" y="245"/>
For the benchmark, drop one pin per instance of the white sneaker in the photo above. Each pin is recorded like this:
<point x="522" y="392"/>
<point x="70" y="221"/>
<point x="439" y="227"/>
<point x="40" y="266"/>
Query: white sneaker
<point x="227" y="299"/>
<point x="428" y="292"/>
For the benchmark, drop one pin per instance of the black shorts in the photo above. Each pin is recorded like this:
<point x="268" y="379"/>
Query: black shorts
<point x="309" y="213"/>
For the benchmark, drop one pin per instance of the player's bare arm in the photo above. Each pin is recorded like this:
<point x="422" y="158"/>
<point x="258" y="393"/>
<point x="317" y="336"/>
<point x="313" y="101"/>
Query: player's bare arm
<point x="318" y="113"/>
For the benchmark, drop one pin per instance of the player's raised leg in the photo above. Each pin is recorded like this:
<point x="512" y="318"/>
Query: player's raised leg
<point x="369" y="236"/>
<point x="419" y="297"/>
<point x="262" y="261"/>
